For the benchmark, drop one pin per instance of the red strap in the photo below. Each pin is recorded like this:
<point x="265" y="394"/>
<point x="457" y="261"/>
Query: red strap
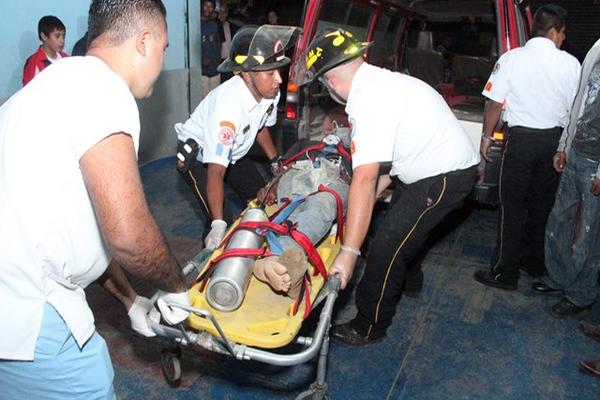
<point x="313" y="147"/>
<point x="340" y="210"/>
<point x="285" y="202"/>
<point x="342" y="150"/>
<point x="304" y="294"/>
<point x="311" y="252"/>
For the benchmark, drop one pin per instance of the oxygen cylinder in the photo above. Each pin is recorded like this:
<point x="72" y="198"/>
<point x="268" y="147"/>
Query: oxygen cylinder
<point x="229" y="281"/>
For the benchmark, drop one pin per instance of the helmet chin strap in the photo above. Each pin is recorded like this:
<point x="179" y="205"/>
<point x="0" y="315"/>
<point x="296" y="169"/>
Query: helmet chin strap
<point x="332" y="93"/>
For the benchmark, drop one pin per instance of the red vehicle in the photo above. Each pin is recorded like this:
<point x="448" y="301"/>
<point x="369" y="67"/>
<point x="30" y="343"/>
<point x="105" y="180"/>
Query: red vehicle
<point x="452" y="45"/>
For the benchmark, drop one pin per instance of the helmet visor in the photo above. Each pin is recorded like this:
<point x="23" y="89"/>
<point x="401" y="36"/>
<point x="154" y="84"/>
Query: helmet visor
<point x="268" y="46"/>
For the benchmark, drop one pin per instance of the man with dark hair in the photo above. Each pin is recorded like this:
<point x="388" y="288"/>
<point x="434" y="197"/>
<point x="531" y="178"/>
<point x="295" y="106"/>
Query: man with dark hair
<point x="51" y="32"/>
<point x="537" y="83"/>
<point x="432" y="161"/>
<point x="214" y="141"/>
<point x="92" y="206"/>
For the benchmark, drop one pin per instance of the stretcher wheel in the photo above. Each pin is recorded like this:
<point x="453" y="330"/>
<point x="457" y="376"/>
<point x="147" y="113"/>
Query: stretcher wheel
<point x="171" y="366"/>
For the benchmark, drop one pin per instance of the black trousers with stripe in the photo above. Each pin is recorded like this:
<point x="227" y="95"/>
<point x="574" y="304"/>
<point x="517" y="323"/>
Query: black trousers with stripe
<point x="414" y="211"/>
<point x="243" y="178"/>
<point x="528" y="184"/>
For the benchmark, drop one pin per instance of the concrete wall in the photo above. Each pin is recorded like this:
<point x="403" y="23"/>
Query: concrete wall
<point x="175" y="93"/>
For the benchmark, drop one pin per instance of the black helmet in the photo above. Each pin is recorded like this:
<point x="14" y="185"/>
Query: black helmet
<point x="261" y="48"/>
<point x="327" y="50"/>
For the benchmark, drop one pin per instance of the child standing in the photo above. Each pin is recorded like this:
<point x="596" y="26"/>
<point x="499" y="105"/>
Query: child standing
<point x="51" y="32"/>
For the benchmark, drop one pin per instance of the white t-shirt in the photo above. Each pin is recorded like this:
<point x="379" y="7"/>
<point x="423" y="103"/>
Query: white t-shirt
<point x="538" y="83"/>
<point x="50" y="243"/>
<point x="401" y="119"/>
<point x="226" y="122"/>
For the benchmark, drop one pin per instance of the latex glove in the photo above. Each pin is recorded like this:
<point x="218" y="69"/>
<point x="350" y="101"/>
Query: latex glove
<point x="343" y="265"/>
<point x="139" y="315"/>
<point x="216" y="234"/>
<point x="173" y="315"/>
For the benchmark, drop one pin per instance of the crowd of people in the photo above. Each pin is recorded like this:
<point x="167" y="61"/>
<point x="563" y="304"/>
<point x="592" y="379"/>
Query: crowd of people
<point x="94" y="223"/>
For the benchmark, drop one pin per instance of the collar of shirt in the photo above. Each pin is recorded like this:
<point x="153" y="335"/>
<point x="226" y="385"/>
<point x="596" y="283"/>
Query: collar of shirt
<point x="247" y="100"/>
<point x="358" y="79"/>
<point x="541" y="42"/>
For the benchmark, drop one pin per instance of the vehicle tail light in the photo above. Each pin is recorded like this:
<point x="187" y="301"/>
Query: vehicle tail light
<point x="290" y="111"/>
<point x="291" y="104"/>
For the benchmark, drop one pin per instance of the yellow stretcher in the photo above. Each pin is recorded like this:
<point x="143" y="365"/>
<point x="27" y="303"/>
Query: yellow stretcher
<point x="265" y="320"/>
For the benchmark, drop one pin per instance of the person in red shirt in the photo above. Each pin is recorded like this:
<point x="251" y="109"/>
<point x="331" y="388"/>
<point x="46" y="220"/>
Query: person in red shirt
<point x="51" y="32"/>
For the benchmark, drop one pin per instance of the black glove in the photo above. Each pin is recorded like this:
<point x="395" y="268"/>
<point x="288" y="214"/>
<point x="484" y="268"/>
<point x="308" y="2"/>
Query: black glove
<point x="187" y="153"/>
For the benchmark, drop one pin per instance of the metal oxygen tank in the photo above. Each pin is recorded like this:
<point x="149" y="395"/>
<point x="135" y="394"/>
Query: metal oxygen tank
<point x="229" y="281"/>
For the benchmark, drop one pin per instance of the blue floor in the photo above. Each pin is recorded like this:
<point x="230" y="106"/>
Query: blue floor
<point x="459" y="340"/>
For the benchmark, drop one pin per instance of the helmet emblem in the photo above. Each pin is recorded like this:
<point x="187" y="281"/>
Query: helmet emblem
<point x="312" y="56"/>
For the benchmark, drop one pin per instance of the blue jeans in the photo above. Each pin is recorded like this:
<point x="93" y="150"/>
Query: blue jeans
<point x="316" y="215"/>
<point x="60" y="369"/>
<point x="573" y="233"/>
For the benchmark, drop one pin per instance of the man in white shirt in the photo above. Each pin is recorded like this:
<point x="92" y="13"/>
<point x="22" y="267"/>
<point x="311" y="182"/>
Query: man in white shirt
<point x="86" y="206"/>
<point x="224" y="126"/>
<point x="537" y="82"/>
<point x="402" y="121"/>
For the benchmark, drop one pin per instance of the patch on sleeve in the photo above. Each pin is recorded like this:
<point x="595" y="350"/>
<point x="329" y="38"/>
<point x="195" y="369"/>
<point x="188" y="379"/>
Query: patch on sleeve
<point x="496" y="68"/>
<point x="488" y="86"/>
<point x="226" y="133"/>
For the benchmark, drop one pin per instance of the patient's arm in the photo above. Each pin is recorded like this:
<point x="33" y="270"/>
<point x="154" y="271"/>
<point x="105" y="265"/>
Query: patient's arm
<point x="117" y="284"/>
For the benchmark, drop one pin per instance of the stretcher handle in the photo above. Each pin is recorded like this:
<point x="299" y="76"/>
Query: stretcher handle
<point x="332" y="284"/>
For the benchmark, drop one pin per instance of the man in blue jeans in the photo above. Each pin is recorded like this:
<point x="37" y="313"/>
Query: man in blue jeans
<point x="573" y="229"/>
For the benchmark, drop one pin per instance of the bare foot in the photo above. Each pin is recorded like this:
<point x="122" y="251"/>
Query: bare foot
<point x="270" y="271"/>
<point x="296" y="264"/>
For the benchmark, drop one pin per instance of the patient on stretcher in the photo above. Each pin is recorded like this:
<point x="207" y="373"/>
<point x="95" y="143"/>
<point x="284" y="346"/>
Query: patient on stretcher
<point x="313" y="216"/>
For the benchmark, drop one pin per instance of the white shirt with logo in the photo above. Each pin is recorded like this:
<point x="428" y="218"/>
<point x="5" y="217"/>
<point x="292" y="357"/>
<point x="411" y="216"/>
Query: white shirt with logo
<point x="400" y="119"/>
<point x="226" y="122"/>
<point x="51" y="247"/>
<point x="538" y="83"/>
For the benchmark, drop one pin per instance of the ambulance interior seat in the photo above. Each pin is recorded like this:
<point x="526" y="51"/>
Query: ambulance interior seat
<point x="470" y="73"/>
<point x="424" y="62"/>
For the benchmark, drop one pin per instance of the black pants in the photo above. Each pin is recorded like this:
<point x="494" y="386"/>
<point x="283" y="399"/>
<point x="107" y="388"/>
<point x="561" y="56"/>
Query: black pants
<point x="528" y="184"/>
<point x="415" y="210"/>
<point x="242" y="177"/>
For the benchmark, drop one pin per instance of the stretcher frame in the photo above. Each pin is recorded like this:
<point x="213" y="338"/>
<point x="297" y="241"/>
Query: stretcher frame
<point x="181" y="336"/>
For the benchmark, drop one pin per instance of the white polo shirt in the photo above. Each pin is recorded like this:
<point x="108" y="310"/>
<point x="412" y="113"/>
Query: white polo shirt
<point x="401" y="119"/>
<point x="226" y="122"/>
<point x="538" y="83"/>
<point x="51" y="247"/>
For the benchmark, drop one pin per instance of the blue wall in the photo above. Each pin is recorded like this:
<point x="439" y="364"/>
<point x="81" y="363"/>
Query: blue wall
<point x="18" y="31"/>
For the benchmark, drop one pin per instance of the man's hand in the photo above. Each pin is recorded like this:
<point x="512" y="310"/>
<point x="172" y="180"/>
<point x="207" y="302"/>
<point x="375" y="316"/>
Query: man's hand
<point x="344" y="266"/>
<point x="141" y="311"/>
<point x="486" y="144"/>
<point x="559" y="161"/>
<point x="171" y="313"/>
<point x="216" y="234"/>
<point x="267" y="197"/>
<point x="595" y="189"/>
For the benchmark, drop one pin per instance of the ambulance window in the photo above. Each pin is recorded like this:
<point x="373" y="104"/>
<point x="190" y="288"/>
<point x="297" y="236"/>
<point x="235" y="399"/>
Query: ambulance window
<point x="386" y="37"/>
<point x="338" y="13"/>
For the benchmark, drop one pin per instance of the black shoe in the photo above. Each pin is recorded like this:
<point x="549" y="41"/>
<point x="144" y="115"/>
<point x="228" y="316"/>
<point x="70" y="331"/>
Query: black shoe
<point x="541" y="287"/>
<point x="347" y="335"/>
<point x="566" y="309"/>
<point x="531" y="273"/>
<point x="492" y="279"/>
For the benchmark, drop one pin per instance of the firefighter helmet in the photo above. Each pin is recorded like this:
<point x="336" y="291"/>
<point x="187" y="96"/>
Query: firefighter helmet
<point x="327" y="50"/>
<point x="261" y="48"/>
